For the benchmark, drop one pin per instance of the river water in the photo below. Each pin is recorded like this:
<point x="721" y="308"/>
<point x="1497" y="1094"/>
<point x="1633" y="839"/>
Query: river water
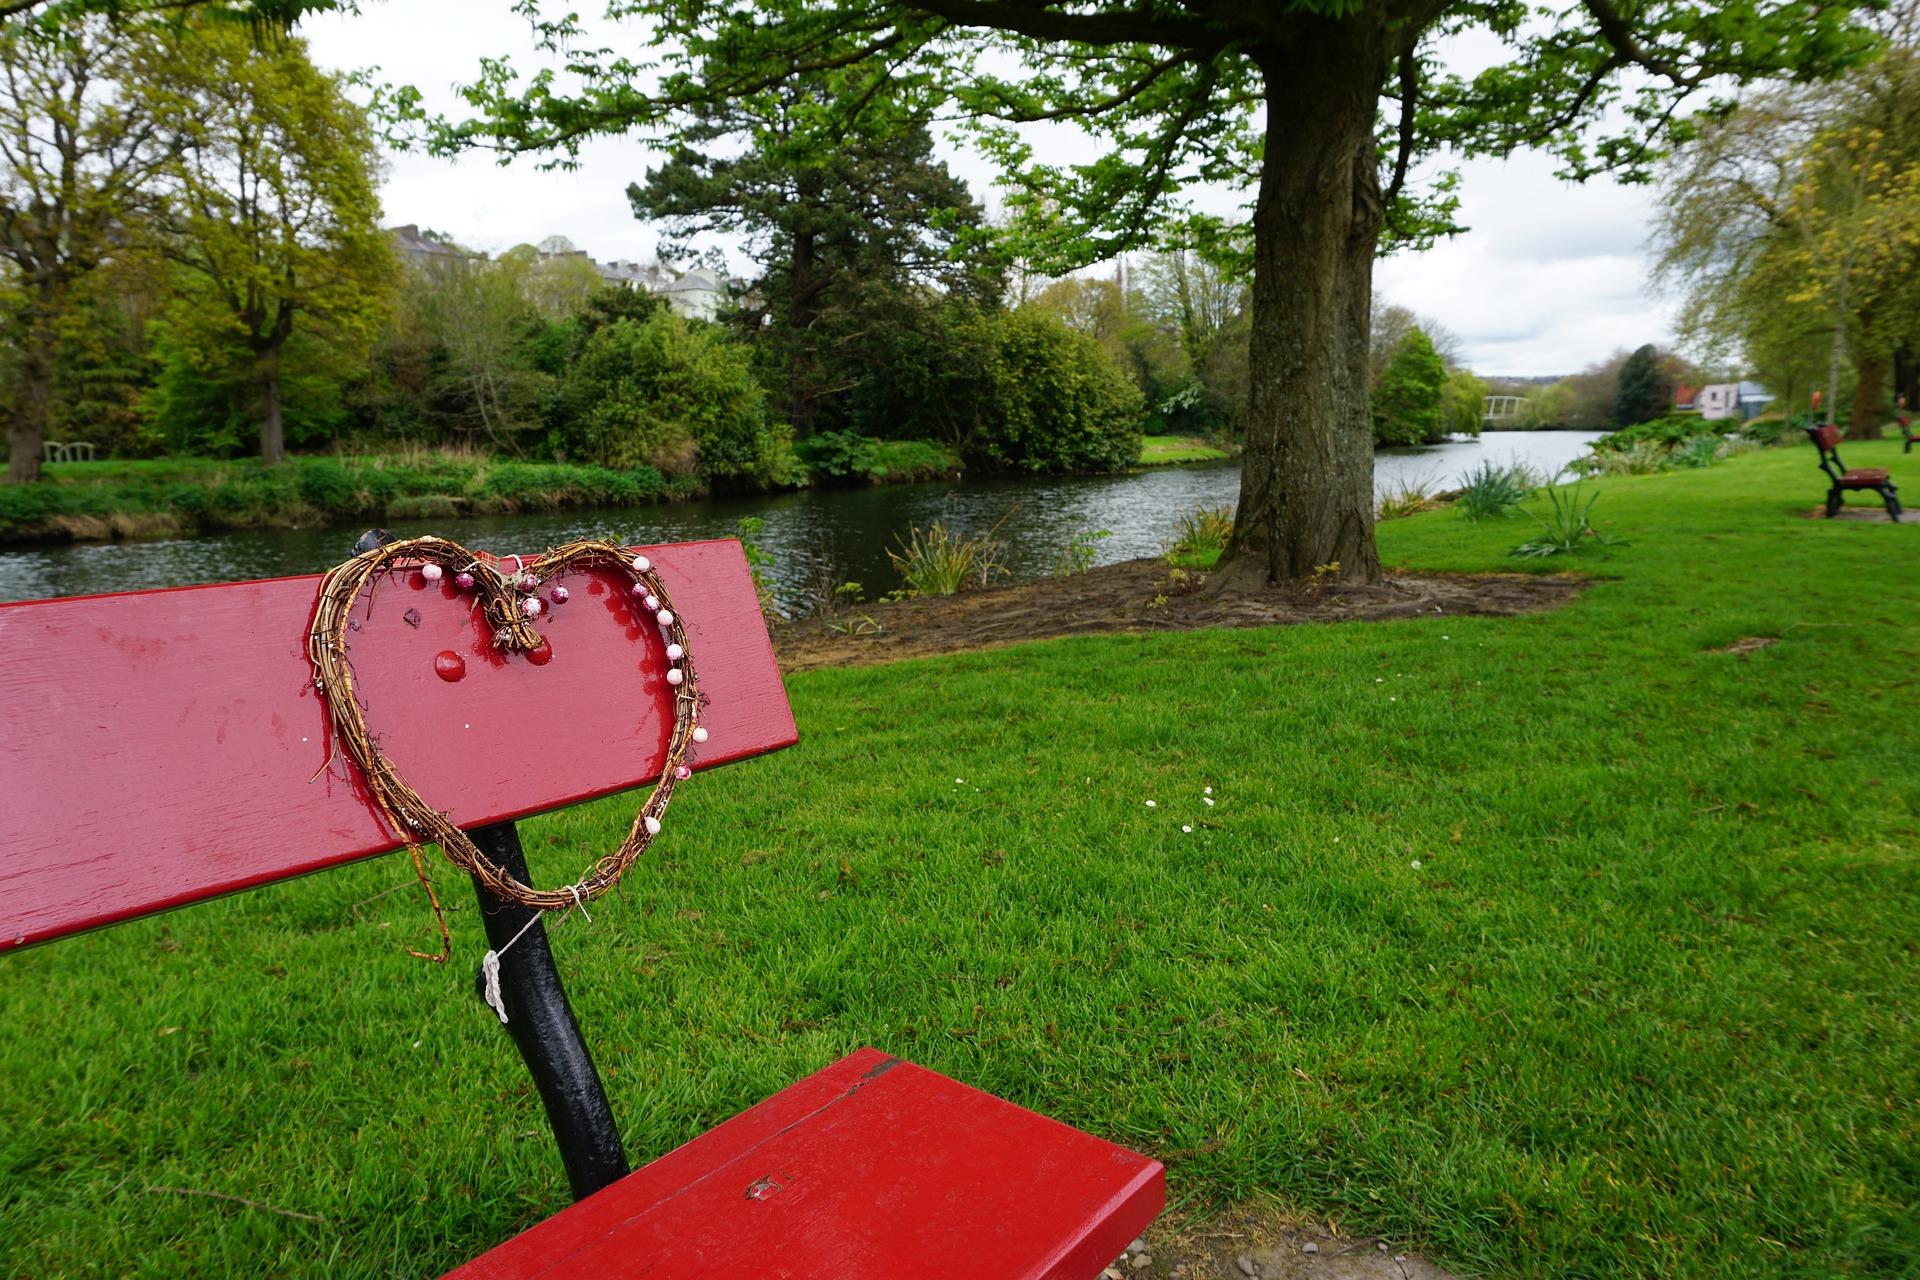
<point x="814" y="536"/>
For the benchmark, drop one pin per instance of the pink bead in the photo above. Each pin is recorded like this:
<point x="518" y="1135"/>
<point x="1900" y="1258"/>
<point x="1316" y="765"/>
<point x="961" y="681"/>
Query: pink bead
<point x="640" y="589"/>
<point x="652" y="602"/>
<point x="464" y="581"/>
<point x="431" y="572"/>
<point x="681" y="773"/>
<point x="528" y="582"/>
<point x="559" y="595"/>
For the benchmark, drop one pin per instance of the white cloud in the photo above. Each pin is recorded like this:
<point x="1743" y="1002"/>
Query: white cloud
<point x="1550" y="278"/>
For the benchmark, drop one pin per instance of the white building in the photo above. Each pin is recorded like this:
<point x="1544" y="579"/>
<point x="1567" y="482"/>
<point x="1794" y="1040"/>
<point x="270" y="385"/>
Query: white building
<point x="1742" y="400"/>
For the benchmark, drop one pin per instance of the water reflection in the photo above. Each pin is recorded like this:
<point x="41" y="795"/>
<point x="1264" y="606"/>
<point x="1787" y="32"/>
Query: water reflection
<point x="813" y="536"/>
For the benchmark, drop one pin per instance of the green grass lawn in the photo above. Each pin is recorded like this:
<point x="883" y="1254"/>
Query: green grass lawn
<point x="1560" y="945"/>
<point x="1158" y="450"/>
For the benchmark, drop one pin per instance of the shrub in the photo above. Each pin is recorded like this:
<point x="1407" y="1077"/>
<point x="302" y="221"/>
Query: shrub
<point x="1407" y="406"/>
<point x="1079" y="553"/>
<point x="664" y="393"/>
<point x="1494" y="490"/>
<point x="1675" y="429"/>
<point x="939" y="563"/>
<point x="1054" y="401"/>
<point x="842" y="457"/>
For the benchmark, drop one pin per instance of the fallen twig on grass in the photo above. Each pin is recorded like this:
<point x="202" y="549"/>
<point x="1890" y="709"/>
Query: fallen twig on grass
<point x="241" y="1200"/>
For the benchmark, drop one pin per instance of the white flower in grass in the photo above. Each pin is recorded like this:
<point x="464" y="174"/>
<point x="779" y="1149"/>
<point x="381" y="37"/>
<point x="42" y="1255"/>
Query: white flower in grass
<point x="1184" y="827"/>
<point x="1152" y="804"/>
<point x="1415" y="864"/>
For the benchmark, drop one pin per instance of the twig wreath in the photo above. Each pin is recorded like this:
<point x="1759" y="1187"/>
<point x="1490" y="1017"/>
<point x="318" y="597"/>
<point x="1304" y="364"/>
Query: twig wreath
<point x="510" y="604"/>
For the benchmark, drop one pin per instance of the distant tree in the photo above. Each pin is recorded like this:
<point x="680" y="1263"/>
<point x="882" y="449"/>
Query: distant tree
<point x="1391" y="323"/>
<point x="1639" y="395"/>
<point x="1407" y="406"/>
<point x="558" y="284"/>
<point x="842" y="235"/>
<point x="275" y="211"/>
<point x="1463" y="403"/>
<point x="81" y="139"/>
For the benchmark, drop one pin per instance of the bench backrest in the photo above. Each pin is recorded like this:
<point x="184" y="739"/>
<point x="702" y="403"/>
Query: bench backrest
<point x="159" y="748"/>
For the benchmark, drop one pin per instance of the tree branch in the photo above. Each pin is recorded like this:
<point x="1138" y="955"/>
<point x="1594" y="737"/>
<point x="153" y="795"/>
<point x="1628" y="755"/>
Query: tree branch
<point x="1043" y="22"/>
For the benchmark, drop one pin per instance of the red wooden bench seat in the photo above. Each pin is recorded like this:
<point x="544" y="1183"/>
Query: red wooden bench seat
<point x="161" y="748"/>
<point x="873" y="1169"/>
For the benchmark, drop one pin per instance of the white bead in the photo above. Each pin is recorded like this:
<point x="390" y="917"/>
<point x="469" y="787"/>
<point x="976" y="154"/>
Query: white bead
<point x="530" y="606"/>
<point x="641" y="564"/>
<point x="652" y="824"/>
<point x="699" y="733"/>
<point x="675" y="675"/>
<point x="652" y="601"/>
<point x="431" y="572"/>
<point x="666" y="617"/>
<point x="675" y="653"/>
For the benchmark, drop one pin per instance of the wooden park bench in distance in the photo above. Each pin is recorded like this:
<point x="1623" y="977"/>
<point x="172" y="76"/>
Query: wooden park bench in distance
<point x="161" y="748"/>
<point x="1841" y="481"/>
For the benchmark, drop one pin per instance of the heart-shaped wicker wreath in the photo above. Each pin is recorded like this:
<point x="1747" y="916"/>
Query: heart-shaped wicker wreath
<point x="502" y="597"/>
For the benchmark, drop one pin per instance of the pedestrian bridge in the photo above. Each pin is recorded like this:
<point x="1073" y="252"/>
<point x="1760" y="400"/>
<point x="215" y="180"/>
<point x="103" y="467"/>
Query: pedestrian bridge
<point x="1501" y="410"/>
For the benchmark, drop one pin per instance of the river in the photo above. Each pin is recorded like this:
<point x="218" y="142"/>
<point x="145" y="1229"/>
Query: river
<point x="814" y="536"/>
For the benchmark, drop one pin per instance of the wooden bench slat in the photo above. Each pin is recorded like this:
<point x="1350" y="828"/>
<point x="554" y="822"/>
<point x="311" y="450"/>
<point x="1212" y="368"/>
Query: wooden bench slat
<point x="160" y="747"/>
<point x="872" y="1169"/>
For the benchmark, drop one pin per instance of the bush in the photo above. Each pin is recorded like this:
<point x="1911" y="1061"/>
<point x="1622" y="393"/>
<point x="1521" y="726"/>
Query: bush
<point x="842" y="457"/>
<point x="676" y="397"/>
<point x="1675" y="429"/>
<point x="1407" y="406"/>
<point x="1053" y="401"/>
<point x="1200" y="536"/>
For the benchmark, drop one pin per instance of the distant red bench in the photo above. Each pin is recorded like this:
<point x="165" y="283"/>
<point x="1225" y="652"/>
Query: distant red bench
<point x="1842" y="480"/>
<point x="160" y="748"/>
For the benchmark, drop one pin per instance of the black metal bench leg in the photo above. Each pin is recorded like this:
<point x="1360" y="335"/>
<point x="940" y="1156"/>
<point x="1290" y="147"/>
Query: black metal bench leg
<point x="542" y="1026"/>
<point x="1891" y="496"/>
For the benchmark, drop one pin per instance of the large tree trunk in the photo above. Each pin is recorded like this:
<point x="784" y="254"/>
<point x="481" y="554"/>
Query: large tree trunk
<point x="1868" y="414"/>
<point x="800" y="312"/>
<point x="33" y="411"/>
<point x="273" y="435"/>
<point x="1306" y="480"/>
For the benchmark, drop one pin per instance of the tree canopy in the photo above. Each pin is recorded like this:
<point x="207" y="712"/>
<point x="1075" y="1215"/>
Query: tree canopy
<point x="1327" y="111"/>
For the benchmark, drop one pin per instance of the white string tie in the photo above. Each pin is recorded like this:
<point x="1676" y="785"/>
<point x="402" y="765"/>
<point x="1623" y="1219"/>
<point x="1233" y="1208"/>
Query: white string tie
<point x="490" y="962"/>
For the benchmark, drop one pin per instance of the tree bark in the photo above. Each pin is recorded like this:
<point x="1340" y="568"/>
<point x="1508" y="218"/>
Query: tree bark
<point x="1306" y="488"/>
<point x="273" y="436"/>
<point x="1867" y="416"/>
<point x="33" y="414"/>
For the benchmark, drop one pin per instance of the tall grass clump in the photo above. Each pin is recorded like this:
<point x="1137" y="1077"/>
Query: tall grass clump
<point x="1492" y="489"/>
<point x="938" y="562"/>
<point x="1405" y="497"/>
<point x="1200" y="536"/>
<point x="1567" y="527"/>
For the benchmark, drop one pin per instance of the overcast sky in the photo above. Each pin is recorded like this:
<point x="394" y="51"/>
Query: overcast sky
<point x="1550" y="278"/>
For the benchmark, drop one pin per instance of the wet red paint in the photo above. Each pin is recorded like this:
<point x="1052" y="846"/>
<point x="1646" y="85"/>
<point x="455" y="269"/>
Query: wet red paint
<point x="449" y="666"/>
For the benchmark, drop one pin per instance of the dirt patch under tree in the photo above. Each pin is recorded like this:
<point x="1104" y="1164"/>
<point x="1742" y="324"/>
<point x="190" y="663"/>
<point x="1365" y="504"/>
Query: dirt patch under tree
<point x="1140" y="595"/>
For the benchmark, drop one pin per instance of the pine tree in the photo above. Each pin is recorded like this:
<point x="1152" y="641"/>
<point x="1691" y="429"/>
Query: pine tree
<point x="1640" y="397"/>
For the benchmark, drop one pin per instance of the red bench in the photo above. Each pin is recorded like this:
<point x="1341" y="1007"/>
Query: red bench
<point x="1841" y="480"/>
<point x="161" y="748"/>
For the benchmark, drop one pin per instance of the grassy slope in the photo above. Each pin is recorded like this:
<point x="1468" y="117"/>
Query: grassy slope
<point x="1158" y="450"/>
<point x="1646" y="1007"/>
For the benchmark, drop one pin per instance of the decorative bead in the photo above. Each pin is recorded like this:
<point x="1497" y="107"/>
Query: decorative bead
<point x="531" y="606"/>
<point x="681" y="773"/>
<point x="449" y="666"/>
<point x="640" y="589"/>
<point x="463" y="580"/>
<point x="559" y="595"/>
<point x="431" y="572"/>
<point x="699" y="733"/>
<point x="528" y="582"/>
<point x="652" y="601"/>
<point x="675" y="675"/>
<point x="666" y="617"/>
<point x="652" y="824"/>
<point x="675" y="653"/>
<point x="641" y="564"/>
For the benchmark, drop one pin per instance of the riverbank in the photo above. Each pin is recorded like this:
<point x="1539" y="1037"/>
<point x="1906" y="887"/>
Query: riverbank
<point x="169" y="497"/>
<point x="175" y="497"/>
<point x="1573" y="943"/>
